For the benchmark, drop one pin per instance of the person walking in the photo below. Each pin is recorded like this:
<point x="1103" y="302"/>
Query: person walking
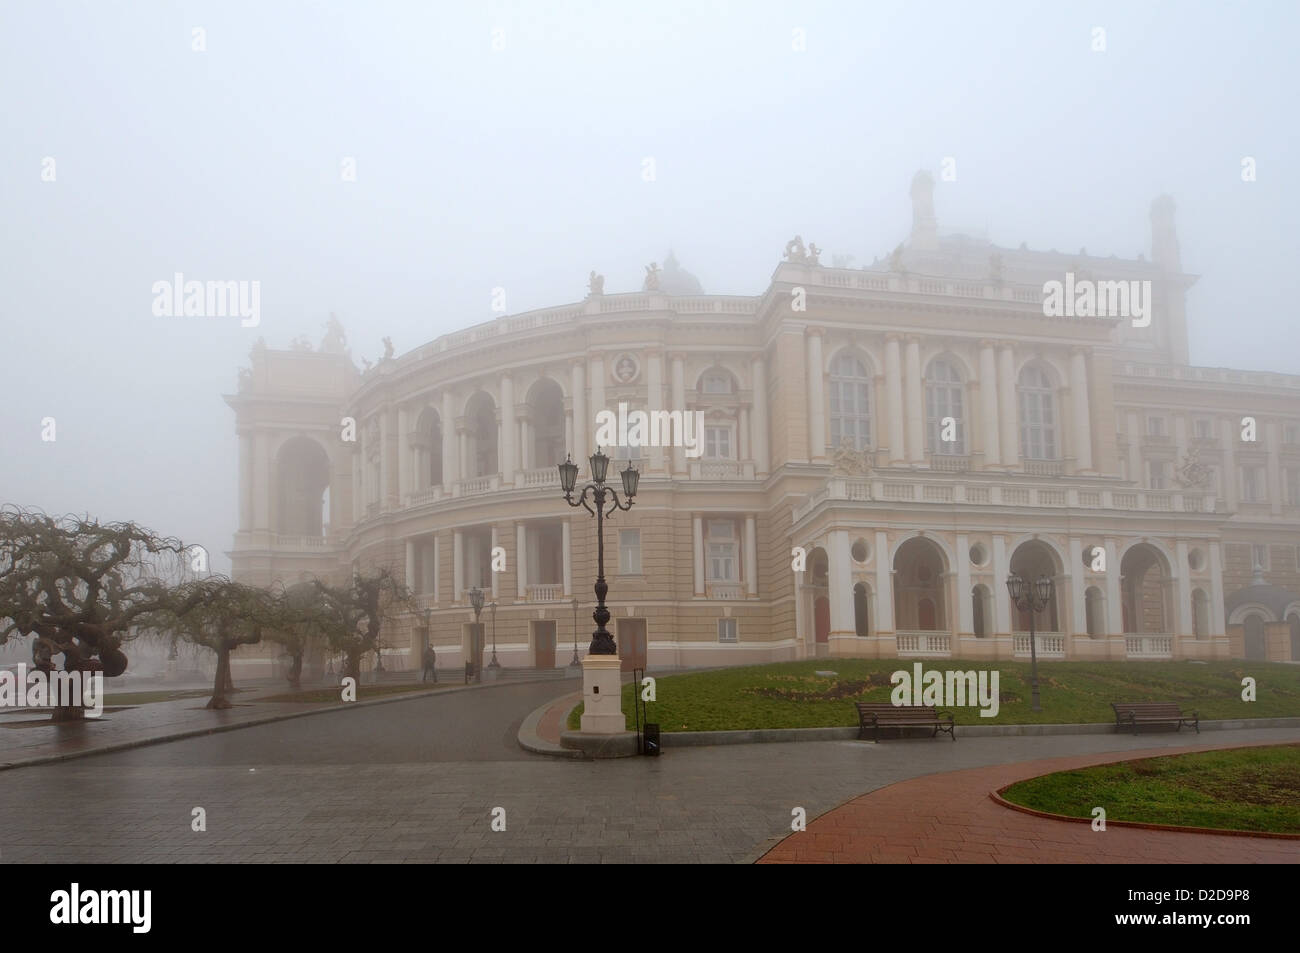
<point x="430" y="664"/>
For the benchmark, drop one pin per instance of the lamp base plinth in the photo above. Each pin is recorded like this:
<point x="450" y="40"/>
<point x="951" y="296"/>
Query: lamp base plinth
<point x="602" y="709"/>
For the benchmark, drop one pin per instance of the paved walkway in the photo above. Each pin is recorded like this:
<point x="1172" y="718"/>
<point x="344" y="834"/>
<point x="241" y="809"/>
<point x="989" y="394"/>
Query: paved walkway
<point x="949" y="818"/>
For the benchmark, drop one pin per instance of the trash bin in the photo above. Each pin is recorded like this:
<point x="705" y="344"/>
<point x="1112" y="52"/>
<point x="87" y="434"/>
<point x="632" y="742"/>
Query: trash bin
<point x="651" y="746"/>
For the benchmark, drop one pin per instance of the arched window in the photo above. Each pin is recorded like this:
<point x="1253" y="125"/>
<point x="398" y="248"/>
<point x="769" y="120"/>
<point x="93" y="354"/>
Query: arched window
<point x="716" y="382"/>
<point x="860" y="615"/>
<point x="943" y="398"/>
<point x="1037" y="415"/>
<point x="850" y="402"/>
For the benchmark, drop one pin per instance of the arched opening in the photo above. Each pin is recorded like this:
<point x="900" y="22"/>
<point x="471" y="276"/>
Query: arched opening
<point x="1200" y="614"/>
<point x="817" y="593"/>
<point x="716" y="380"/>
<point x="546" y="423"/>
<point x="1294" y="621"/>
<point x="981" y="610"/>
<point x="1031" y="560"/>
<point x="943" y="398"/>
<point x="304" y="472"/>
<point x="481" y="435"/>
<point x="1144" y="587"/>
<point x="1254" y="636"/>
<point x="427" y="442"/>
<point x="861" y="611"/>
<point x="1094" y="611"/>
<point x="919" y="570"/>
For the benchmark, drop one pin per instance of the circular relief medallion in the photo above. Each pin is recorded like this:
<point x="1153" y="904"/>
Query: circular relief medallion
<point x="626" y="368"/>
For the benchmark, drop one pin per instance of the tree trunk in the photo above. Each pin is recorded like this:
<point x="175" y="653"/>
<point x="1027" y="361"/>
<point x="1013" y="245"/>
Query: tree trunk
<point x="295" y="671"/>
<point x="353" y="666"/>
<point x="64" y="714"/>
<point x="221" y="681"/>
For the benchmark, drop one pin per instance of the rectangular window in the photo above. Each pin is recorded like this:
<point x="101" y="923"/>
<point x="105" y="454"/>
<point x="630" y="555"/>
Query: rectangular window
<point x="720" y="563"/>
<point x="1204" y="428"/>
<point x="629" y="551"/>
<point x="1291" y="434"/>
<point x="1156" y="426"/>
<point x="1252" y="484"/>
<point x="727" y="630"/>
<point x="1159" y="474"/>
<point x="717" y="443"/>
<point x="1258" y="557"/>
<point x="1291" y="478"/>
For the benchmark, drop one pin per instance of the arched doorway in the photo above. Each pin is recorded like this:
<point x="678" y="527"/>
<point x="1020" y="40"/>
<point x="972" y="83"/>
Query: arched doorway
<point x="1094" y="609"/>
<point x="981" y="610"/>
<point x="1294" y="621"/>
<point x="1032" y="559"/>
<point x="1254" y="636"/>
<point x="822" y="614"/>
<point x="1200" y="614"/>
<point x="920" y="603"/>
<point x="427" y="442"/>
<point x="304" y="478"/>
<point x="817" y="593"/>
<point x="546" y="424"/>
<point x="481" y="433"/>
<point x="1144" y="590"/>
<point x="861" y="611"/>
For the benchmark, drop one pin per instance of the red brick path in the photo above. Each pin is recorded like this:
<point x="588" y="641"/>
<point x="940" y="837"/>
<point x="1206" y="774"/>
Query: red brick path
<point x="949" y="818"/>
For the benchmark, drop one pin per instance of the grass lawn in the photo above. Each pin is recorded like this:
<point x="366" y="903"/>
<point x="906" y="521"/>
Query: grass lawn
<point x="789" y="695"/>
<point x="147" y="698"/>
<point x="336" y="694"/>
<point x="1249" y="789"/>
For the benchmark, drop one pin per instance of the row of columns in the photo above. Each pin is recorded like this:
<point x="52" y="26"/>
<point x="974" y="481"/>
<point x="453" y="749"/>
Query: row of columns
<point x="905" y="412"/>
<point x="427" y="548"/>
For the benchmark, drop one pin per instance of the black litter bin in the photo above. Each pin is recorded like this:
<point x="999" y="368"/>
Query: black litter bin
<point x="651" y="736"/>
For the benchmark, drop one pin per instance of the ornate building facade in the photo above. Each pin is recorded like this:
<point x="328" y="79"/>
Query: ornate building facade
<point x="881" y="448"/>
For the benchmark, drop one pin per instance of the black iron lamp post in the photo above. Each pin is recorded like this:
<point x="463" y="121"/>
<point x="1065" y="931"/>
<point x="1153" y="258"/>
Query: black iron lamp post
<point x="576" y="660"/>
<point x="494" y="664"/>
<point x="1031" y="598"/>
<point x="602" y="643"/>
<point x="476" y="600"/>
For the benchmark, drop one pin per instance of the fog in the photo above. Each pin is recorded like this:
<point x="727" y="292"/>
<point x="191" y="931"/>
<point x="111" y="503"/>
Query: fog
<point x="523" y="168"/>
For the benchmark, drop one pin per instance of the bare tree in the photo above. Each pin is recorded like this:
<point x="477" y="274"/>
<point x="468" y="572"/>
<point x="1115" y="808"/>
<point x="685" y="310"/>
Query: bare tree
<point x="354" y="614"/>
<point x="80" y="587"/>
<point x="303" y="623"/>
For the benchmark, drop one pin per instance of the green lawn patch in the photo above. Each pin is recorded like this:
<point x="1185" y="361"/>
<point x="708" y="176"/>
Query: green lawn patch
<point x="790" y="695"/>
<point x="1247" y="789"/>
<point x="336" y="694"/>
<point x="148" y="698"/>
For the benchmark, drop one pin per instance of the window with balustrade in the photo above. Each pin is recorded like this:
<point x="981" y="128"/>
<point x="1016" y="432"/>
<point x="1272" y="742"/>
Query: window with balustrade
<point x="1159" y="470"/>
<point x="943" y="398"/>
<point x="850" y="399"/>
<point x="1038" y="425"/>
<point x="718" y="442"/>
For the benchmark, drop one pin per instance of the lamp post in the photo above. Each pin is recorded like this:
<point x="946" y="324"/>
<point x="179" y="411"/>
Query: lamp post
<point x="494" y="665"/>
<point x="1031" y="598"/>
<point x="428" y="634"/>
<point x="576" y="661"/>
<point x="602" y="643"/>
<point x="476" y="600"/>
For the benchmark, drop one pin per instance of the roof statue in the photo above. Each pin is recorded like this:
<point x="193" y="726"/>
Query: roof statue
<point x="335" y="340"/>
<point x="651" y="282"/>
<point x="595" y="284"/>
<point x="814" y="254"/>
<point x="388" y="349"/>
<point x="795" y="251"/>
<point x="995" y="268"/>
<point x="896" y="260"/>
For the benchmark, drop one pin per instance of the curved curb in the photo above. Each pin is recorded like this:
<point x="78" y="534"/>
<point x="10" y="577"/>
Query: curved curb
<point x="530" y="740"/>
<point x="997" y="798"/>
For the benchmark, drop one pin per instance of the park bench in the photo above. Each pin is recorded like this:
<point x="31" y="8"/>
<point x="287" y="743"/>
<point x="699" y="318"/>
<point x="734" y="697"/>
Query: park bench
<point x="1136" y="714"/>
<point x="879" y="716"/>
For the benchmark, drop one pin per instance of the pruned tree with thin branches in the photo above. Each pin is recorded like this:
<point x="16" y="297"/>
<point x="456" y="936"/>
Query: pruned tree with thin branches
<point x="354" y="615"/>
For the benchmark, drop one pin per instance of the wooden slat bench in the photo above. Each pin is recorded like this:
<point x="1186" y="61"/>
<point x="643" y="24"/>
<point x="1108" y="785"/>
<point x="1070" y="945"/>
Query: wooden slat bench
<point x="1136" y="714"/>
<point x="879" y="716"/>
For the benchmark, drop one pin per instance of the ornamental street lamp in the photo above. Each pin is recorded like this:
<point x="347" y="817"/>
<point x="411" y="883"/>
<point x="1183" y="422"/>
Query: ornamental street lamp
<point x="1031" y="598"/>
<point x="576" y="661"/>
<point x="476" y="601"/>
<point x="494" y="664"/>
<point x="602" y="643"/>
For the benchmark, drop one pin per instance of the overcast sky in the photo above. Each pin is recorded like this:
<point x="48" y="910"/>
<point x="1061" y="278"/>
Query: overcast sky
<point x="522" y="168"/>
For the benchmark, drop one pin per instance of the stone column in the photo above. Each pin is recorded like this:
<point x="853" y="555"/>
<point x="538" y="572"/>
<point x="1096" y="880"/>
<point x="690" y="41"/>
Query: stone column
<point x="410" y="566"/>
<point x="1001" y="598"/>
<point x="1273" y="438"/>
<point x="1078" y="588"/>
<point x="404" y="481"/>
<point x="894" y="389"/>
<point x="521" y="560"/>
<point x="697" y="531"/>
<point x="525" y="439"/>
<point x="742" y="436"/>
<point x="762" y="463"/>
<point x="884" y="595"/>
<point x="965" y="615"/>
<point x="1183" y="590"/>
<point x="1217" y="620"/>
<point x="457" y="565"/>
<point x="654" y="378"/>
<point x="358" y="487"/>
<point x="989" y="426"/>
<point x="1008" y="415"/>
<point x="1114" y="600"/>
<point x="385" y="471"/>
<point x="566" y="554"/>
<point x="507" y="432"/>
<point x="751" y="556"/>
<point x="582" y="421"/>
<point x="262" y="481"/>
<point x="840" y="582"/>
<point x="1082" y="416"/>
<point x="816" y="397"/>
<point x="429" y="568"/>
<point x="450" y="458"/>
<point x="915" y="408"/>
<point x="679" y="405"/>
<point x="246" y="482"/>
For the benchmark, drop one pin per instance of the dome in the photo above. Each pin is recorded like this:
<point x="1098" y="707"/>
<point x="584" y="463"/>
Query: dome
<point x="676" y="280"/>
